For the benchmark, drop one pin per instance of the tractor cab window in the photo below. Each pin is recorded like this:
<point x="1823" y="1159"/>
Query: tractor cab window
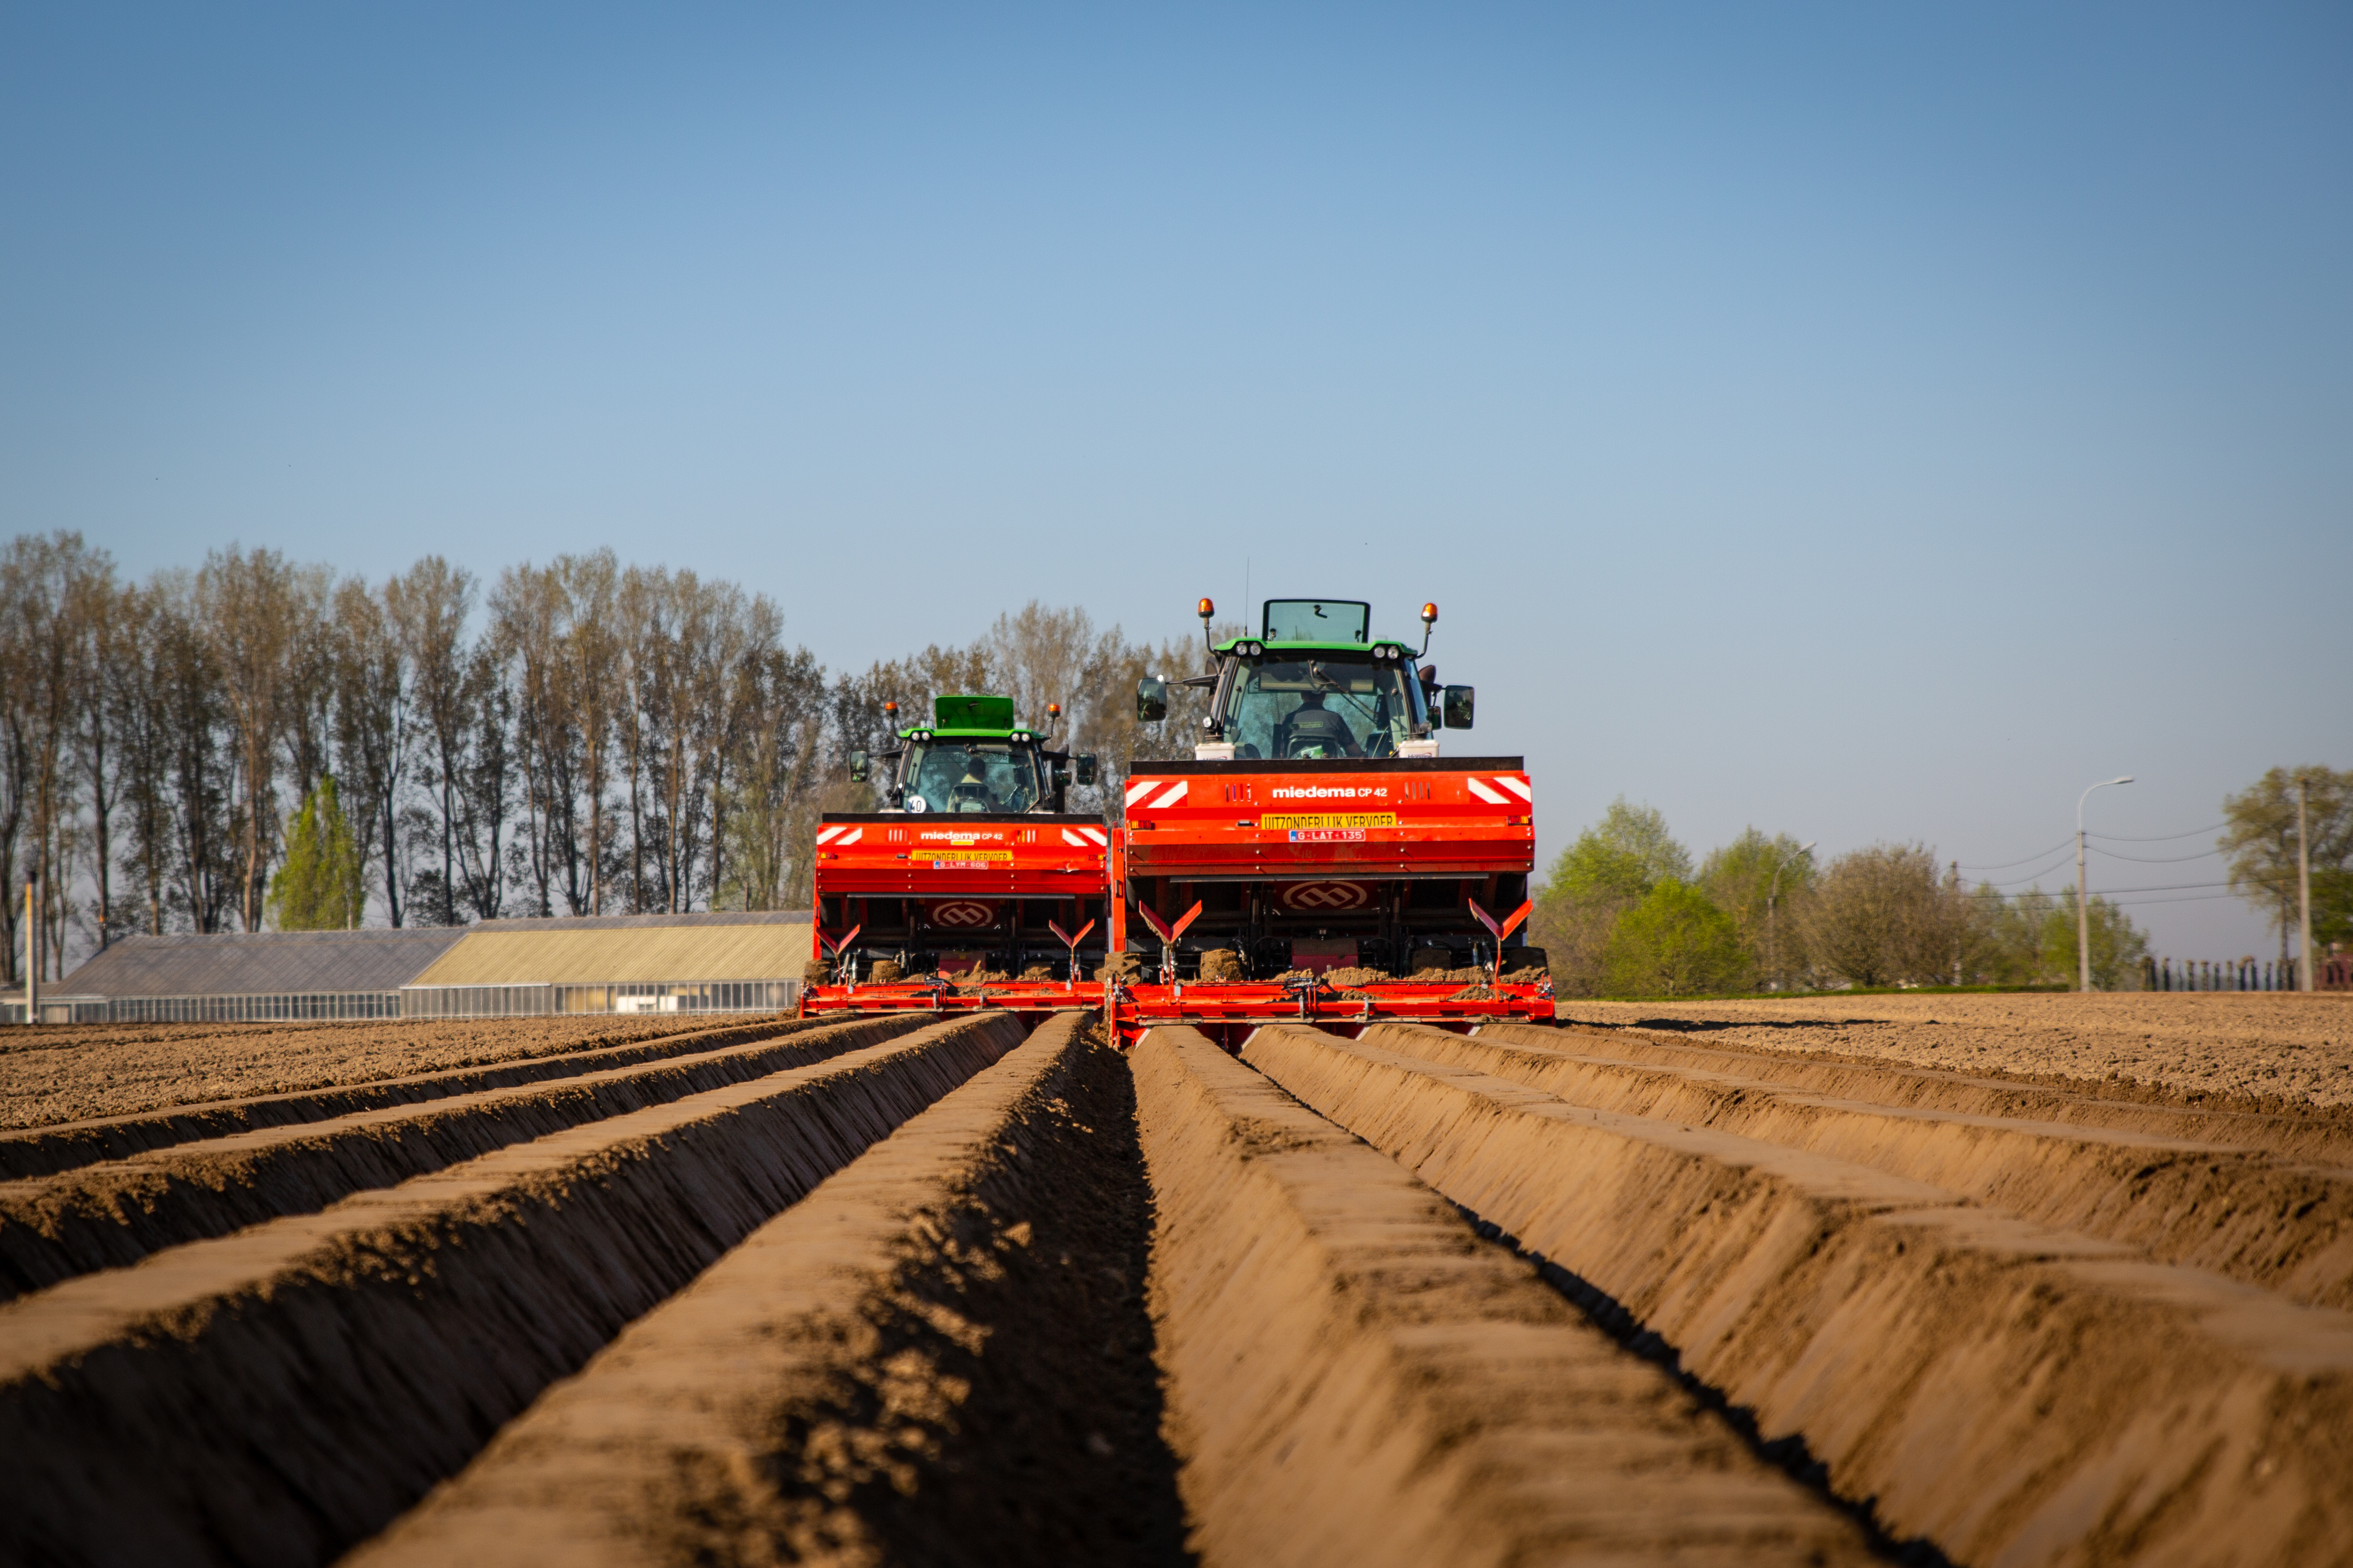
<point x="1317" y="620"/>
<point x="967" y="776"/>
<point x="1330" y="705"/>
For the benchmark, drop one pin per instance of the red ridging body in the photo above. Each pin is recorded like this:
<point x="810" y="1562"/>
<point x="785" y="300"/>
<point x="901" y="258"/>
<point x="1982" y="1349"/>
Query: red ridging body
<point x="994" y="886"/>
<point x="1381" y="854"/>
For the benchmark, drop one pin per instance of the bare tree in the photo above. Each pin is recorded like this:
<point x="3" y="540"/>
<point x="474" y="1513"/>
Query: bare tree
<point x="250" y="604"/>
<point x="429" y="606"/>
<point x="771" y="800"/>
<point x="17" y="686"/>
<point x="309" y="711"/>
<point x="138" y="717"/>
<point x="203" y="770"/>
<point x="486" y="783"/>
<point x="371" y="679"/>
<point x="1885" y="914"/>
<point x="101" y="617"/>
<point x="590" y="662"/>
<point x="527" y="623"/>
<point x="640" y="616"/>
<point x="733" y="658"/>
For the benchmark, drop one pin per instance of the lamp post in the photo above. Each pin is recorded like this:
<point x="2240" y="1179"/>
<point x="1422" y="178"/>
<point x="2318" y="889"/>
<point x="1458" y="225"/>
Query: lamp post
<point x="2082" y="898"/>
<point x="1772" y="895"/>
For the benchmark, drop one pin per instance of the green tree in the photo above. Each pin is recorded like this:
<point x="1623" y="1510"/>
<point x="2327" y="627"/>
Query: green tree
<point x="1623" y="855"/>
<point x="1738" y="880"/>
<point x="2259" y="835"/>
<point x="1612" y="866"/>
<point x="321" y="884"/>
<point x="1673" y="943"/>
<point x="2030" y="939"/>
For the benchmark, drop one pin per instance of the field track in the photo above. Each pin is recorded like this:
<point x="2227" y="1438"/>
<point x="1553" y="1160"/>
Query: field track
<point x="1672" y="1289"/>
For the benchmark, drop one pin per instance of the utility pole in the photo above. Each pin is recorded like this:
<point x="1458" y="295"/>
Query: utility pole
<point x="1772" y="895"/>
<point x="1960" y="928"/>
<point x="32" y="954"/>
<point x="2082" y="897"/>
<point x="2306" y="979"/>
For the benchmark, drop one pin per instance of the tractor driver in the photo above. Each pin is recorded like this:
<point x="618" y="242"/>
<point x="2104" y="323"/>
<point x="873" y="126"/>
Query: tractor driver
<point x="1312" y="729"/>
<point x="971" y="792"/>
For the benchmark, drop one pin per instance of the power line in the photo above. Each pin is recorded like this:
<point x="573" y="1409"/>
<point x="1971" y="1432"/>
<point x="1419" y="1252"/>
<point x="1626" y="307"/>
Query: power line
<point x="2181" y="886"/>
<point x="2031" y="876"/>
<point x="2155" y="859"/>
<point x="2160" y="839"/>
<point x="2005" y="865"/>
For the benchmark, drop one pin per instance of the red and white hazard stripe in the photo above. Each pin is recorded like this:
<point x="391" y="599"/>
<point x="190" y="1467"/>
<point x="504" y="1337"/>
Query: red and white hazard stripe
<point x="1501" y="789"/>
<point x="839" y="833"/>
<point x="1085" y="837"/>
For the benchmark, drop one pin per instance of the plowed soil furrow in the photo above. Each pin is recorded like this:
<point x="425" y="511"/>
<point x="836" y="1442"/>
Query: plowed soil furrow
<point x="2286" y="1227"/>
<point x="2208" y="1050"/>
<point x="2325" y="1136"/>
<point x="94" y="1071"/>
<point x="940" y="1356"/>
<point x="2012" y="1392"/>
<point x="113" y="1214"/>
<point x="273" y="1396"/>
<point x="1354" y="1378"/>
<point x="46" y="1150"/>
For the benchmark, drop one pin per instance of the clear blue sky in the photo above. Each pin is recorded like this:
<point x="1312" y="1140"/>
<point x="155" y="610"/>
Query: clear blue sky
<point x="1867" y="422"/>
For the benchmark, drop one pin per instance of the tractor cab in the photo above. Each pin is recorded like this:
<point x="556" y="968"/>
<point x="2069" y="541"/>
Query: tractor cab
<point x="972" y="760"/>
<point x="1314" y="685"/>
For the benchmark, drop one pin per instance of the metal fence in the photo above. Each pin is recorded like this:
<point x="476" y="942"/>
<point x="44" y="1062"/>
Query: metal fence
<point x="2333" y="972"/>
<point x="535" y="1001"/>
<point x="548" y="1001"/>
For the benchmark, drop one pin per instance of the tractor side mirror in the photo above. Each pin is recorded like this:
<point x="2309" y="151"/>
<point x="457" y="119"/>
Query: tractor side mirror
<point x="1460" y="700"/>
<point x="1151" y="699"/>
<point x="1086" y="770"/>
<point x="857" y="767"/>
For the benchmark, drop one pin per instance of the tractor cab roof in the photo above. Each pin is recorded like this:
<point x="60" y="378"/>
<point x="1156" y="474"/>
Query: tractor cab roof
<point x="1314" y="626"/>
<point x="971" y="718"/>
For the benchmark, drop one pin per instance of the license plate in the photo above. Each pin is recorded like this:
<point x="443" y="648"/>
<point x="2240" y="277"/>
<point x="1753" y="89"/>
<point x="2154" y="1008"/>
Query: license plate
<point x="1327" y="836"/>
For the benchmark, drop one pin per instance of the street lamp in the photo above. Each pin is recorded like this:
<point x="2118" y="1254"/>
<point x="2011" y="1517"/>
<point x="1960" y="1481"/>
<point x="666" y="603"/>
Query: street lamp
<point x="1773" y="948"/>
<point x="2082" y="898"/>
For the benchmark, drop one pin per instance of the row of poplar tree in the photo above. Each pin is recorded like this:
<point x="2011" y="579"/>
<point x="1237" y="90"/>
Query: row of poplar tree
<point x="261" y="741"/>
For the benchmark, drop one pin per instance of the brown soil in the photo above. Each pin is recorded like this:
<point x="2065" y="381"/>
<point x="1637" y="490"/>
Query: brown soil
<point x="63" y="1145"/>
<point x="2228" y="1192"/>
<point x="1354" y="1378"/>
<point x="2035" y="1279"/>
<point x="70" y="1074"/>
<point x="941" y="1356"/>
<point x="277" y="1394"/>
<point x="2256" y="1046"/>
<point x="112" y="1214"/>
<point x="2007" y="1391"/>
